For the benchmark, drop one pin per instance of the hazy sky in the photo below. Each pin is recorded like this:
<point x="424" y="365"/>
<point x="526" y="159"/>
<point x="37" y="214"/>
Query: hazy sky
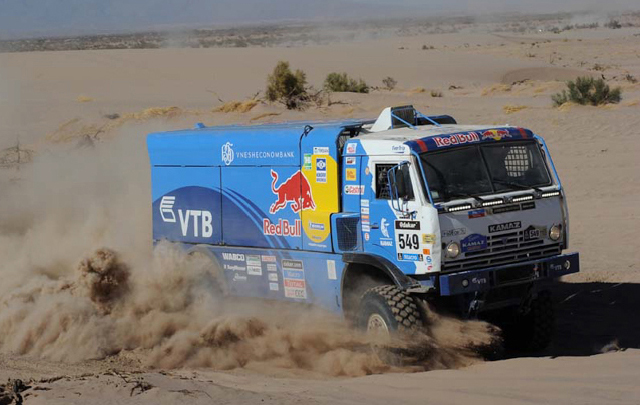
<point x="50" y="17"/>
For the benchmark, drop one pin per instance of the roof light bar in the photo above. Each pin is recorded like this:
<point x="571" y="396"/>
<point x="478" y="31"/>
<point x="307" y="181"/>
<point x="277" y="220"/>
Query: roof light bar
<point x="493" y="202"/>
<point x="522" y="198"/>
<point x="462" y="207"/>
<point x="550" y="194"/>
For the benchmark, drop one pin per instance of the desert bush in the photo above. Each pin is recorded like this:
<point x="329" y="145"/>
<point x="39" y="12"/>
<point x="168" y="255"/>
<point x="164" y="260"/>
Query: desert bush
<point x="436" y="93"/>
<point x="587" y="90"/>
<point x="341" y="82"/>
<point x="287" y="87"/>
<point x="630" y="78"/>
<point x="389" y="83"/>
<point x="613" y="24"/>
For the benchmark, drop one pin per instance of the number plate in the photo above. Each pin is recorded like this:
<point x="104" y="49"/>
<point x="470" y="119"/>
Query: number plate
<point x="408" y="240"/>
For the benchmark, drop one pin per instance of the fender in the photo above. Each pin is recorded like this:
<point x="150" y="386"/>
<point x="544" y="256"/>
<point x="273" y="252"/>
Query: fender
<point x="400" y="279"/>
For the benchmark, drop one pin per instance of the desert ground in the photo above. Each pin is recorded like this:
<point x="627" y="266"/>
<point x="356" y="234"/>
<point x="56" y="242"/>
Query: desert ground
<point x="74" y="178"/>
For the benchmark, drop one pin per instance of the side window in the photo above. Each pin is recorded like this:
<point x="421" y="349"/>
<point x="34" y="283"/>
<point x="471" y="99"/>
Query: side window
<point x="382" y="182"/>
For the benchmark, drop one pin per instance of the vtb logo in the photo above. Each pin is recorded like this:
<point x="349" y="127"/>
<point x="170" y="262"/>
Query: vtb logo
<point x="197" y="223"/>
<point x="295" y="190"/>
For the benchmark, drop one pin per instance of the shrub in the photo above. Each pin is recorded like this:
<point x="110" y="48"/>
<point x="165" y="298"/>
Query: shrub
<point x="436" y="93"/>
<point x="343" y="83"/>
<point x="613" y="24"/>
<point x="389" y="83"/>
<point x="587" y="90"/>
<point x="287" y="87"/>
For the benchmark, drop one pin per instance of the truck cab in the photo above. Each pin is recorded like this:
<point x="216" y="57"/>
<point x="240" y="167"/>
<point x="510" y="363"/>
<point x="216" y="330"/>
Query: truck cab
<point x="372" y="219"/>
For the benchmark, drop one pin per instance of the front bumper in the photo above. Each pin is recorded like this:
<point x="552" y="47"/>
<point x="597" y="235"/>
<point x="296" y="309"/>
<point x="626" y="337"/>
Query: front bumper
<point x="512" y="274"/>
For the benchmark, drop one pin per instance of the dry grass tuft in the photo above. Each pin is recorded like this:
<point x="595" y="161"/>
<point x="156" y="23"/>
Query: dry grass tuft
<point x="153" y="112"/>
<point x="418" y="90"/>
<point x="496" y="88"/>
<point x="84" y="99"/>
<point x="236" y="106"/>
<point x="510" y="109"/>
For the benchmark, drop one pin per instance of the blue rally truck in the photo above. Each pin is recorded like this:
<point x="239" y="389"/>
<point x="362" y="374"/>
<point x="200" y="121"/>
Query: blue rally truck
<point x="370" y="218"/>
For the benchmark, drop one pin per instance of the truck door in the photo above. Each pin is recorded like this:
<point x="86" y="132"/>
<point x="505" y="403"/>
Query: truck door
<point x="409" y="238"/>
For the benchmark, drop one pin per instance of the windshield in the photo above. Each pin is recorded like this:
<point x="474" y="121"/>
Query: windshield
<point x="484" y="169"/>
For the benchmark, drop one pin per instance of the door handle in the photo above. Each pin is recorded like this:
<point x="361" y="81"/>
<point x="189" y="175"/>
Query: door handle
<point x="375" y="226"/>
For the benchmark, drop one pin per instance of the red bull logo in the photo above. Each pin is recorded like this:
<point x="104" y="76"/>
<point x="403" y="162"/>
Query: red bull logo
<point x="456" y="139"/>
<point x="296" y="191"/>
<point x="496" y="134"/>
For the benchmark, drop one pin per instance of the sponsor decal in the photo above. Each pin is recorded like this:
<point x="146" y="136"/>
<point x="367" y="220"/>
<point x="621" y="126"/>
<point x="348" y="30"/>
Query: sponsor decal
<point x="296" y="191"/>
<point x="366" y="237"/>
<point x="307" y="161"/>
<point x="398" y="149"/>
<point x="428" y="238"/>
<point x="234" y="267"/>
<point x="272" y="267"/>
<point x="364" y="203"/>
<point x="477" y="213"/>
<point x="473" y="242"/>
<point x="350" y="160"/>
<point x="274" y="287"/>
<point x="413" y="225"/>
<point x="331" y="270"/>
<point x="282" y="228"/>
<point x="293" y="279"/>
<point x="506" y="208"/>
<point x="426" y="251"/>
<point x="367" y="170"/>
<point x="233" y="257"/>
<point x="254" y="270"/>
<point x="351" y="174"/>
<point x="364" y="210"/>
<point x="530" y="205"/>
<point x="384" y="227"/>
<point x="292" y="264"/>
<point x="479" y="280"/>
<point x="496" y="134"/>
<point x="353" y="190"/>
<point x="321" y="170"/>
<point x="227" y="153"/>
<point x="315" y="226"/>
<point x="352" y="148"/>
<point x="273" y="276"/>
<point x="270" y="259"/>
<point x="456" y="139"/>
<point x="267" y="154"/>
<point x="366" y="228"/>
<point x="365" y="218"/>
<point x="166" y="208"/>
<point x="412" y="257"/>
<point x="507" y="226"/>
<point x="320" y="150"/>
<point x="428" y="259"/>
<point x="386" y="242"/>
<point x="254" y="260"/>
<point x="454" y="232"/>
<point x="239" y="277"/>
<point x="192" y="222"/>
<point x="534" y="232"/>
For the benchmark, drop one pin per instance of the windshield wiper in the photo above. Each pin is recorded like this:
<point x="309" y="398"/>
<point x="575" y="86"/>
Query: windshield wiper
<point x="463" y="195"/>
<point x="516" y="185"/>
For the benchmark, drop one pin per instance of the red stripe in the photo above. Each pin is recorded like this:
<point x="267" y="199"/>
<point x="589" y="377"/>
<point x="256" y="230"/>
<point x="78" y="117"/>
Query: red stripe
<point x="423" y="146"/>
<point x="522" y="132"/>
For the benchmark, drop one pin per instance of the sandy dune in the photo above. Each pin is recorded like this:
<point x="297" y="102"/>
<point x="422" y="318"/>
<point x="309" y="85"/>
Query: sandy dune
<point x="64" y="96"/>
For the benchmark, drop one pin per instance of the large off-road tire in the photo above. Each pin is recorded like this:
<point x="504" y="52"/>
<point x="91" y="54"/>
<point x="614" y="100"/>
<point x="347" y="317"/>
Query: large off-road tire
<point x="531" y="331"/>
<point x="388" y="309"/>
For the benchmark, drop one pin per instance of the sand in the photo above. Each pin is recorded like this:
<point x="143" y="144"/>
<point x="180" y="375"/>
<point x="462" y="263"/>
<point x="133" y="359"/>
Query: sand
<point x="57" y="101"/>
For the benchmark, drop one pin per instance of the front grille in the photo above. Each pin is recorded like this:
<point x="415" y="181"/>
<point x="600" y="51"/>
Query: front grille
<point x="501" y="249"/>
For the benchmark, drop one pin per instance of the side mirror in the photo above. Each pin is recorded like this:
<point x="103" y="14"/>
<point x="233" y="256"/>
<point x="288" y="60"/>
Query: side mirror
<point x="400" y="190"/>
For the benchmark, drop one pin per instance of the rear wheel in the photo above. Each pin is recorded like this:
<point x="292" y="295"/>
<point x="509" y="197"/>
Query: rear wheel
<point x="387" y="309"/>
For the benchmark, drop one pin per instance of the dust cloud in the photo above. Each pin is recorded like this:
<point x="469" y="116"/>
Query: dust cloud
<point x="80" y="281"/>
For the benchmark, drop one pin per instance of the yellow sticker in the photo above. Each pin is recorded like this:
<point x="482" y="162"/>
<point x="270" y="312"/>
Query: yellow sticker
<point x="351" y="175"/>
<point x="428" y="238"/>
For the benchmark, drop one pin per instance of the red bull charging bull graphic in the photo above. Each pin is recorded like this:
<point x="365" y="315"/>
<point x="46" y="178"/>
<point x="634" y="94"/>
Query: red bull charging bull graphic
<point x="295" y="190"/>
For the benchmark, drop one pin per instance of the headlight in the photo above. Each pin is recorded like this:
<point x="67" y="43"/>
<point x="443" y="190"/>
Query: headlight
<point x="555" y="232"/>
<point x="453" y="250"/>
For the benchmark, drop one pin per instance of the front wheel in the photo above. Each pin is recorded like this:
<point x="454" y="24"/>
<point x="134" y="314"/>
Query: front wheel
<point x="387" y="309"/>
<point x="531" y="331"/>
